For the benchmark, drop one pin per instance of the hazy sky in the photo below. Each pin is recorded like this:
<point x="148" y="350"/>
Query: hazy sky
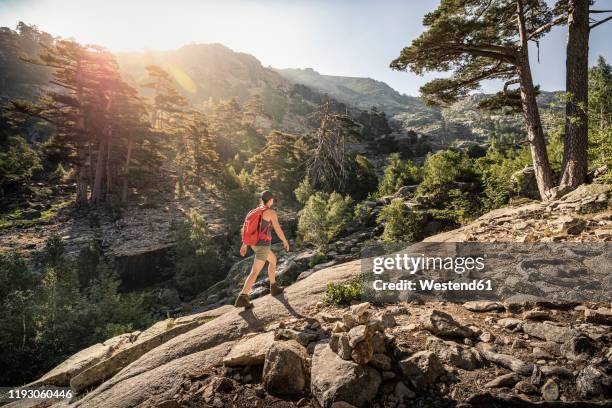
<point x="336" y="37"/>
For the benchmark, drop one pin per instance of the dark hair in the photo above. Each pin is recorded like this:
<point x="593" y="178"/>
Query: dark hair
<point x="266" y="196"/>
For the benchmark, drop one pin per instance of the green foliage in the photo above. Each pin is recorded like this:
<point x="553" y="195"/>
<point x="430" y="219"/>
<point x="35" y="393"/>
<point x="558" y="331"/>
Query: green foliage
<point x="240" y="196"/>
<point x="600" y="116"/>
<point x="303" y="191"/>
<point x="45" y="316"/>
<point x="363" y="214"/>
<point x="342" y="294"/>
<point x="397" y="174"/>
<point x="495" y="170"/>
<point x="17" y="161"/>
<point x="316" y="259"/>
<point x="323" y="218"/>
<point x="197" y="264"/>
<point x="362" y="179"/>
<point x="280" y="165"/>
<point x="400" y="223"/>
<point x="445" y="167"/>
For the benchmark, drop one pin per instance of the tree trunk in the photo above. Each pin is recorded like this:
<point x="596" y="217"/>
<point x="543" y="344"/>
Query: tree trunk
<point x="531" y="112"/>
<point x="81" y="181"/>
<point x="96" y="194"/>
<point x="109" y="178"/>
<point x="126" y="171"/>
<point x="574" y="167"/>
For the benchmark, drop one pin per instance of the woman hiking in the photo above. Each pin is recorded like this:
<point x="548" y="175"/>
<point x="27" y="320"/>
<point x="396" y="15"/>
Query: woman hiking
<point x="257" y="235"/>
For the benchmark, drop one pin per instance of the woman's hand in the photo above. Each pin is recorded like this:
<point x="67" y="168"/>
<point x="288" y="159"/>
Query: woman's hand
<point x="243" y="250"/>
<point x="286" y="245"/>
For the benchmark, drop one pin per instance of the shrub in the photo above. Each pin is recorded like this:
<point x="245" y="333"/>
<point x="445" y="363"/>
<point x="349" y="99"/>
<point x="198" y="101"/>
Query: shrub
<point x="323" y="217"/>
<point x="197" y="262"/>
<point x="397" y="174"/>
<point x="445" y="167"/>
<point x="303" y="191"/>
<point x="400" y="224"/>
<point x="342" y="294"/>
<point x="316" y="259"/>
<point x="363" y="179"/>
<point x="495" y="170"/>
<point x="17" y="161"/>
<point x="363" y="214"/>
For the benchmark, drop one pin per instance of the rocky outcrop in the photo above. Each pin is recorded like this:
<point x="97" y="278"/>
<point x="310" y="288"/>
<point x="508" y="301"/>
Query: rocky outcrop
<point x="335" y="379"/>
<point x="285" y="372"/>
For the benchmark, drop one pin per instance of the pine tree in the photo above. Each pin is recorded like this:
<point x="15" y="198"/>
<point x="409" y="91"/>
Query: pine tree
<point x="575" y="162"/>
<point x="480" y="40"/>
<point x="281" y="164"/>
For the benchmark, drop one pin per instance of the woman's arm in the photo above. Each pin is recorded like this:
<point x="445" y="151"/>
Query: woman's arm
<point x="279" y="230"/>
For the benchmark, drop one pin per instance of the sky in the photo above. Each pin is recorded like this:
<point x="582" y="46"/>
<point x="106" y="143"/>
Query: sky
<point x="334" y="37"/>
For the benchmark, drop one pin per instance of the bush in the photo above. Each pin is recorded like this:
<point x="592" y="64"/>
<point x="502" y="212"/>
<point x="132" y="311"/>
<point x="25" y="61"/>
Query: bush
<point x="363" y="214"/>
<point x="240" y="196"/>
<point x="363" y="179"/>
<point x="495" y="170"/>
<point x="303" y="191"/>
<point x="17" y="161"/>
<point x="197" y="262"/>
<point x="400" y="224"/>
<point x="323" y="217"/>
<point x="316" y="259"/>
<point x="342" y="294"/>
<point x="397" y="174"/>
<point x="445" y="167"/>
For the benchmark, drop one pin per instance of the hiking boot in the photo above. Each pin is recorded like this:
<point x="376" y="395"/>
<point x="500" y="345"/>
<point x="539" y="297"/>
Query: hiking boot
<point x="243" y="301"/>
<point x="275" y="289"/>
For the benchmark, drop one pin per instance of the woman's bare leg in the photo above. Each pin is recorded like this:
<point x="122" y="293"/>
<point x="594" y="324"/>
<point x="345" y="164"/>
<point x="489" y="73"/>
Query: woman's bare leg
<point x="250" y="280"/>
<point x="271" y="267"/>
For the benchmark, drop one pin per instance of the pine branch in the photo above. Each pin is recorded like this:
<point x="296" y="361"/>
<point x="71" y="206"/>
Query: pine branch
<point x="546" y="26"/>
<point x="600" y="22"/>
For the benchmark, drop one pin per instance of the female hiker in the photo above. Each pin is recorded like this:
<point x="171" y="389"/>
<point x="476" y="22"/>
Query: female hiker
<point x="256" y="234"/>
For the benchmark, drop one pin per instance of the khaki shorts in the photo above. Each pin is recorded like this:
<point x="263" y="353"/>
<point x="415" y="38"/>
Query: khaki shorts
<point x="261" y="252"/>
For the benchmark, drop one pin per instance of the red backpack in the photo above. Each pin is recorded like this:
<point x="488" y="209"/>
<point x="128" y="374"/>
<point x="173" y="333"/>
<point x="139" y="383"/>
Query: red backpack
<point x="250" y="229"/>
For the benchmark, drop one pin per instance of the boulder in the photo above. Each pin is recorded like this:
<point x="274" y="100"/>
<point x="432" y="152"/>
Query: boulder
<point x="362" y="352"/>
<point x="550" y="390"/>
<point x="402" y="392"/>
<point x="536" y="315"/>
<point x="457" y="355"/>
<point x="509" y="322"/>
<point x="74" y="365"/>
<point x="567" y="224"/>
<point x="159" y="333"/>
<point x="550" y="332"/>
<point x="525" y="387"/>
<point x="360" y="309"/>
<point x="357" y="334"/>
<point x="285" y="370"/>
<point x="301" y="337"/>
<point x="592" y="382"/>
<point x="598" y="317"/>
<point x="578" y="348"/>
<point x="506" y="380"/>
<point x="442" y="324"/>
<point x="422" y="368"/>
<point x="381" y="361"/>
<point x="483" y="306"/>
<point x="344" y="349"/>
<point x="250" y="351"/>
<point x="334" y="379"/>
